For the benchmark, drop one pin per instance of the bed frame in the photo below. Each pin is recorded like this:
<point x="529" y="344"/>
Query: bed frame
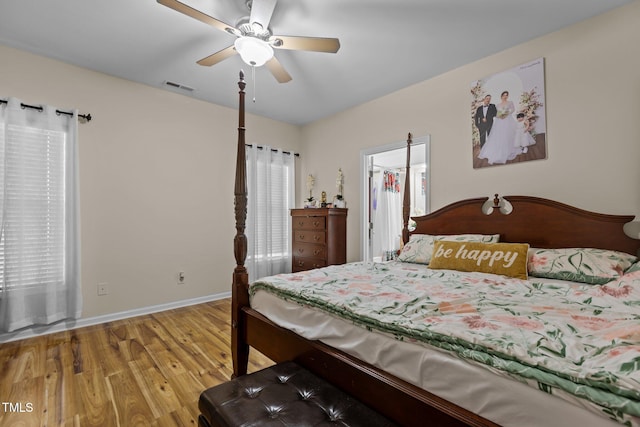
<point x="540" y="222"/>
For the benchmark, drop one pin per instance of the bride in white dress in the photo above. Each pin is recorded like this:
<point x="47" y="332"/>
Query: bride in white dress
<point x="499" y="147"/>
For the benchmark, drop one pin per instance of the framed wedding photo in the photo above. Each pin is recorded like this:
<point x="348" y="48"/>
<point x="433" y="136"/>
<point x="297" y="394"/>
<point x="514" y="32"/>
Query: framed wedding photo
<point x="508" y="120"/>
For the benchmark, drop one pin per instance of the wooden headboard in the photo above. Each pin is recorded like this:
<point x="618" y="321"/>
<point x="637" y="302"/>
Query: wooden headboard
<point x="540" y="222"/>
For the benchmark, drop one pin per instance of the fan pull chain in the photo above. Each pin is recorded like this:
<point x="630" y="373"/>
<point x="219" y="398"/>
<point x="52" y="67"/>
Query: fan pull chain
<point x="253" y="77"/>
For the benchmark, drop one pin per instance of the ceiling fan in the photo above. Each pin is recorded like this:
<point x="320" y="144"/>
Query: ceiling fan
<point x="255" y="42"/>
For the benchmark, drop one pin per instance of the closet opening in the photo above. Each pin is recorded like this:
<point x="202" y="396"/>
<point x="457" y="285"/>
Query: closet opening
<point x="383" y="172"/>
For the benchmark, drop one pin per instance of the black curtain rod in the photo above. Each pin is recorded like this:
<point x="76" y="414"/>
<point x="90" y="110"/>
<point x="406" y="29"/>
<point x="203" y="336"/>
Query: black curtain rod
<point x="260" y="147"/>
<point x="87" y="117"/>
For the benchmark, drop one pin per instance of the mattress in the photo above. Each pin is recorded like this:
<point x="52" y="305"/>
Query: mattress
<point x="503" y="397"/>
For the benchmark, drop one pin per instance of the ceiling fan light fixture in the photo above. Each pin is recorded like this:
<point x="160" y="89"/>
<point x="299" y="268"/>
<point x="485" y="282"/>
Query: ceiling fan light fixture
<point x="253" y="51"/>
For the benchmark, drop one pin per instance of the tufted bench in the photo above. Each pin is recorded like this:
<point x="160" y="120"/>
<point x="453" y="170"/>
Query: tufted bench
<point x="283" y="395"/>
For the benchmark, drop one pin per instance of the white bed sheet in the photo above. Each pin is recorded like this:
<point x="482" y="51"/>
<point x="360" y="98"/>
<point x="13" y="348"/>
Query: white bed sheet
<point x="501" y="399"/>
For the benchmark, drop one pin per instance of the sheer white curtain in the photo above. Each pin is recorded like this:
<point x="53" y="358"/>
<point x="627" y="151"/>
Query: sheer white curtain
<point x="39" y="213"/>
<point x="270" y="186"/>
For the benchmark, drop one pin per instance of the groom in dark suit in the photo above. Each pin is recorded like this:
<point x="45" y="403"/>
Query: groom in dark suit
<point x="484" y="118"/>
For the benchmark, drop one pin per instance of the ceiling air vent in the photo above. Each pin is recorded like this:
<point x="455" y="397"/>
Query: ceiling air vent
<point x="178" y="86"/>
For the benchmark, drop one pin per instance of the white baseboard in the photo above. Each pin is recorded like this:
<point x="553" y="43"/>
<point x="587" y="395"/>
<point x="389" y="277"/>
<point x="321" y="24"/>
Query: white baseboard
<point x="81" y="323"/>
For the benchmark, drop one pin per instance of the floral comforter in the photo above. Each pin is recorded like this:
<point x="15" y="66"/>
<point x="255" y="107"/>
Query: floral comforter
<point x="566" y="339"/>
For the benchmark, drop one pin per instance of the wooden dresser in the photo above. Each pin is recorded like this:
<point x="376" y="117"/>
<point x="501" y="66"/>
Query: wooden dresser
<point x="319" y="237"/>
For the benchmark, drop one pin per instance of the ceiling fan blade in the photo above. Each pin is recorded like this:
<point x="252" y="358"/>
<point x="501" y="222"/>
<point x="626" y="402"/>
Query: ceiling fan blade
<point x="200" y="16"/>
<point x="278" y="71"/>
<point x="316" y="44"/>
<point x="219" y="56"/>
<point x="261" y="11"/>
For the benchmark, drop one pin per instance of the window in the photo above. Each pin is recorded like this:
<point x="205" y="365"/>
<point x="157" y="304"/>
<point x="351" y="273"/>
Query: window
<point x="270" y="178"/>
<point x="39" y="236"/>
<point x="32" y="238"/>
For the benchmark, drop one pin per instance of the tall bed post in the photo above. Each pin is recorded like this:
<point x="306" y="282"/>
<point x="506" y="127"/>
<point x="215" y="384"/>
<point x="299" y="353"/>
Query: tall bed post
<point x="239" y="290"/>
<point x="406" y="201"/>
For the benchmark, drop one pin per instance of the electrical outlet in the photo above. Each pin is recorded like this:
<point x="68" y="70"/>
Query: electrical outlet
<point x="103" y="289"/>
<point x="181" y="278"/>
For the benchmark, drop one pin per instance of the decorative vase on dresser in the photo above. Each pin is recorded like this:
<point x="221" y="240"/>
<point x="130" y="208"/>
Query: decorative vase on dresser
<point x="319" y="237"/>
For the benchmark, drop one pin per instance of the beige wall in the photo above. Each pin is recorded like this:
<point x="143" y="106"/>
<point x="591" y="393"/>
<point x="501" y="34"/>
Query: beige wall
<point x="593" y="131"/>
<point x="156" y="181"/>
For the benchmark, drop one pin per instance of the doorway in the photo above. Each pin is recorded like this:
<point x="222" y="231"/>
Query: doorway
<point x="383" y="173"/>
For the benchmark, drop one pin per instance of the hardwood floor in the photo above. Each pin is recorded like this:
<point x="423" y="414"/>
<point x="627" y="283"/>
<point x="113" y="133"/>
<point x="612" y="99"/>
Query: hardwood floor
<point x="142" y="371"/>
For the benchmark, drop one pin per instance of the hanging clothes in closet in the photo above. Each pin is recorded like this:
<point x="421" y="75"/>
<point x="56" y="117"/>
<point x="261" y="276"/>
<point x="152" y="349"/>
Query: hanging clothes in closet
<point x="388" y="215"/>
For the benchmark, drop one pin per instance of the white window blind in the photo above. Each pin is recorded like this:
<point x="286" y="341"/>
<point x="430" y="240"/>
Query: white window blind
<point x="32" y="239"/>
<point x="270" y="178"/>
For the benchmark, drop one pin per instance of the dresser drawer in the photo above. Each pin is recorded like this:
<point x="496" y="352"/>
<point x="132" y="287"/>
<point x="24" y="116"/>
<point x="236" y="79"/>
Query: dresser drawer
<point x="308" y="236"/>
<point x="309" y="250"/>
<point x="309" y="222"/>
<point x="303" y="263"/>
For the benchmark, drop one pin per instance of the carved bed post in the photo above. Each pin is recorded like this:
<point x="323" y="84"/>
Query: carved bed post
<point x="406" y="201"/>
<point x="240" y="286"/>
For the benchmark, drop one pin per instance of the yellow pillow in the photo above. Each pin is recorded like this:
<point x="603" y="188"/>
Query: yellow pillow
<point x="508" y="259"/>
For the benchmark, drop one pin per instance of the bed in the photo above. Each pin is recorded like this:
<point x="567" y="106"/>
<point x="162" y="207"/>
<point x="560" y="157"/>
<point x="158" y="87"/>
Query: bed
<point x="458" y="364"/>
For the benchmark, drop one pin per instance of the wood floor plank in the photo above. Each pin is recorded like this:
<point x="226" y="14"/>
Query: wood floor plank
<point x="146" y="331"/>
<point x="129" y="403"/>
<point x="178" y="418"/>
<point x="156" y="390"/>
<point x="91" y="389"/>
<point x="8" y="359"/>
<point x="141" y="356"/>
<point x="187" y="387"/>
<point x="113" y="360"/>
<point x="54" y="387"/>
<point x="85" y="349"/>
<point x="147" y="370"/>
<point x="31" y="361"/>
<point x="26" y="396"/>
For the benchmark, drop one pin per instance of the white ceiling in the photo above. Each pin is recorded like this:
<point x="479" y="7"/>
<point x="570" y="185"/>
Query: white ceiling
<point x="386" y="45"/>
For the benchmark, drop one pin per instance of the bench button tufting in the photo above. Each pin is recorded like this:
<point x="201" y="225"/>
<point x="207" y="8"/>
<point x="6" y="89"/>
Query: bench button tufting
<point x="306" y="394"/>
<point x="333" y="415"/>
<point x="274" y="411"/>
<point x="283" y="378"/>
<point x="252" y="392"/>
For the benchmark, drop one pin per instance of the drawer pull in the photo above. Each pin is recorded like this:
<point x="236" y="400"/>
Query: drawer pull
<point x="300" y="250"/>
<point x="316" y="223"/>
<point x="300" y="223"/>
<point x="317" y="251"/>
<point x="316" y="238"/>
<point x="301" y="236"/>
<point x="300" y="263"/>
